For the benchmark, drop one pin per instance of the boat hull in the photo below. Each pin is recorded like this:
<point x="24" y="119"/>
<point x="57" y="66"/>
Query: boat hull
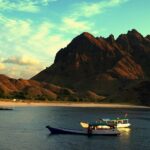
<point x="105" y="132"/>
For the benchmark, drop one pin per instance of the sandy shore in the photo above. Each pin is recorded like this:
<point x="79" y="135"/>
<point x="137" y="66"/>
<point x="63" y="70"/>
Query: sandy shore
<point x="66" y="104"/>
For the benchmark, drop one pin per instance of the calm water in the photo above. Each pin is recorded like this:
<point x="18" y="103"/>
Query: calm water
<point x="24" y="129"/>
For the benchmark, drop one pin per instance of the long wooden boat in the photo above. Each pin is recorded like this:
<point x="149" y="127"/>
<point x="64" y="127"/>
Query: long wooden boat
<point x="106" y="132"/>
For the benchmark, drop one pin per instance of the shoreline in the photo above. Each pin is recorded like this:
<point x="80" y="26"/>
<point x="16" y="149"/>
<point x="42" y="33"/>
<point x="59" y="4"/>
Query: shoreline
<point x="67" y="104"/>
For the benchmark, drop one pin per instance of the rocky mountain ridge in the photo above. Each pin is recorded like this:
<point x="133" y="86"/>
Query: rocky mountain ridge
<point x="107" y="66"/>
<point x="126" y="58"/>
<point x="93" y="69"/>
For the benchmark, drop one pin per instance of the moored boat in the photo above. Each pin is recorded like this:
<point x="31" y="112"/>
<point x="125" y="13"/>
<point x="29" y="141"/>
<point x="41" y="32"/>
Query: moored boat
<point x="120" y="122"/>
<point x="90" y="131"/>
<point x="99" y="125"/>
<point x="4" y="108"/>
<point x="107" y="123"/>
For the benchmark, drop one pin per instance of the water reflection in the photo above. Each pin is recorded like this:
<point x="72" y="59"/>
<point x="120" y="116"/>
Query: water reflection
<point x="125" y="134"/>
<point x="125" y="131"/>
<point x="125" y="138"/>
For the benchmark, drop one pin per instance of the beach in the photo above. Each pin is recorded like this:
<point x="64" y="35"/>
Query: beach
<point x="66" y="104"/>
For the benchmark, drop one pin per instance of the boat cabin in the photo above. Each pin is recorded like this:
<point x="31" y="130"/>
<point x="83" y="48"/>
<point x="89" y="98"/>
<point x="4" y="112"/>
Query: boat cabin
<point x="117" y="121"/>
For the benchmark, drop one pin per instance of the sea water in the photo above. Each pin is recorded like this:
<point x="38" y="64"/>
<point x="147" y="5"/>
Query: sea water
<point x="24" y="129"/>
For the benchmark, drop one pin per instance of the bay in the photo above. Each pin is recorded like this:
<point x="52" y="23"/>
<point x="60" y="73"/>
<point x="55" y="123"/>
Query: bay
<point x="24" y="129"/>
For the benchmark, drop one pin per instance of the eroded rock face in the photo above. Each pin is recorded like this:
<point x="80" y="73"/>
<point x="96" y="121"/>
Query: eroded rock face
<point x="126" y="68"/>
<point x="87" y="57"/>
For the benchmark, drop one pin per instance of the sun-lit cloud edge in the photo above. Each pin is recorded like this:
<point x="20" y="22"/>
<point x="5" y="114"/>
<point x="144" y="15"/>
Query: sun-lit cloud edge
<point x="31" y="6"/>
<point x="89" y="9"/>
<point x="79" y="17"/>
<point x="24" y="6"/>
<point x="21" y="60"/>
<point x="18" y="71"/>
<point x="70" y="24"/>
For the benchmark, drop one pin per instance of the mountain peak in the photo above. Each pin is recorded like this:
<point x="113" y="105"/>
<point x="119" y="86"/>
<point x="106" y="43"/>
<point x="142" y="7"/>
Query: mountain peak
<point x="148" y="37"/>
<point x="83" y="40"/>
<point x="111" y="38"/>
<point x="134" y="33"/>
<point x="86" y="35"/>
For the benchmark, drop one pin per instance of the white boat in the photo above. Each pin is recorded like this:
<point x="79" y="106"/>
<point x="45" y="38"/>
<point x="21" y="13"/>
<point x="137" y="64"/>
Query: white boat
<point x="107" y="123"/>
<point x="120" y="122"/>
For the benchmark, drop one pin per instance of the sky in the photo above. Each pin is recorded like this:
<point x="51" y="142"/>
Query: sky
<point x="33" y="31"/>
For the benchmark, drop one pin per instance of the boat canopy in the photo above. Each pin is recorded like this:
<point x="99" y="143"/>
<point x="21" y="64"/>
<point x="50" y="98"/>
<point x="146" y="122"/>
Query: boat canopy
<point x="115" y="119"/>
<point x="98" y="124"/>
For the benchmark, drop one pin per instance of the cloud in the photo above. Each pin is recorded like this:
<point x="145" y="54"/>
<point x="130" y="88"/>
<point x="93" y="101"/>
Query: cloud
<point x="77" y="22"/>
<point x="75" y="26"/>
<point x="17" y="71"/>
<point x="46" y="2"/>
<point x="23" y="60"/>
<point x="24" y="6"/>
<point x="20" y="67"/>
<point x="31" y="6"/>
<point x="89" y="9"/>
<point x="13" y="26"/>
<point x="42" y="31"/>
<point x="116" y="2"/>
<point x="28" y="40"/>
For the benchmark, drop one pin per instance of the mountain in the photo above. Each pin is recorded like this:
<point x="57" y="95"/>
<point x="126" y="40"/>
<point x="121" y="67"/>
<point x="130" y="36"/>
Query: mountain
<point x="29" y="89"/>
<point x="133" y="92"/>
<point x="33" y="90"/>
<point x="91" y="69"/>
<point x="101" y="65"/>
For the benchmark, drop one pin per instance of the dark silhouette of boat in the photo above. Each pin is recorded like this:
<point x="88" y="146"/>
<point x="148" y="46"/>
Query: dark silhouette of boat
<point x="4" y="108"/>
